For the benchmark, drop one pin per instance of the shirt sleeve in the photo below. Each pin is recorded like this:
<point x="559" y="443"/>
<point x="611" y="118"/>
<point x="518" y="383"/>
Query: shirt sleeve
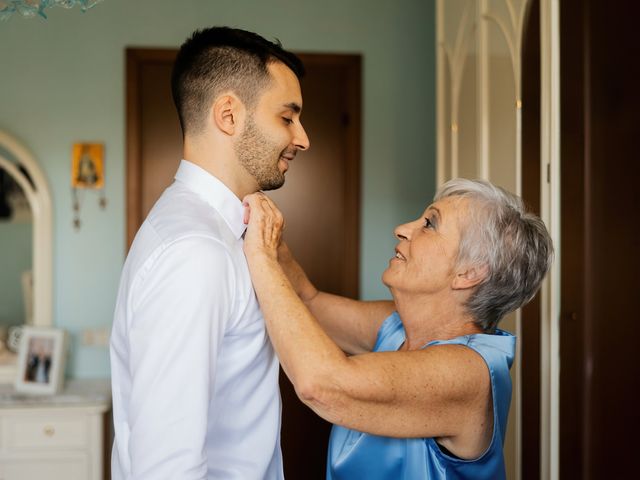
<point x="179" y="311"/>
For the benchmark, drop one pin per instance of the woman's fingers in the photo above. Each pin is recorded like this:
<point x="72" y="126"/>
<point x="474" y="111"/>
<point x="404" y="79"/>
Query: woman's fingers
<point x="247" y="212"/>
<point x="273" y="214"/>
<point x="267" y="208"/>
<point x="264" y="223"/>
<point x="273" y="219"/>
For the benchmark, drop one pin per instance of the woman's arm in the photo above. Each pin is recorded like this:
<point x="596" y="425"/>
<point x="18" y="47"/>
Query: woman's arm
<point x="441" y="392"/>
<point x="352" y="324"/>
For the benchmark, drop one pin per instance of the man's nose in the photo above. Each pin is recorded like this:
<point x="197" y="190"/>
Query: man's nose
<point x="301" y="140"/>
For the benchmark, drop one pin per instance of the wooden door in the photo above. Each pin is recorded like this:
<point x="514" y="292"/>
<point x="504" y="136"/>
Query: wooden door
<point x="320" y="198"/>
<point x="600" y="376"/>
<point x="531" y="313"/>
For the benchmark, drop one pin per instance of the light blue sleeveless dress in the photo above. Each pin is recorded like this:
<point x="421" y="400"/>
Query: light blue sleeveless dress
<point x="354" y="455"/>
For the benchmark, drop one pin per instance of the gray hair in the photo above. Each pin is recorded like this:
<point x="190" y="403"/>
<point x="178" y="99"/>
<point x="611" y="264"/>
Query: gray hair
<point x="510" y="242"/>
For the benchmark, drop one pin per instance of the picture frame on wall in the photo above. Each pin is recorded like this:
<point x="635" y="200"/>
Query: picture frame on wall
<point x="41" y="360"/>
<point x="87" y="165"/>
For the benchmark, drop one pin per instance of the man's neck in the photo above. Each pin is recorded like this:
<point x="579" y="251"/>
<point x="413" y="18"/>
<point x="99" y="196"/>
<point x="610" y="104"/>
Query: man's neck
<point x="222" y="163"/>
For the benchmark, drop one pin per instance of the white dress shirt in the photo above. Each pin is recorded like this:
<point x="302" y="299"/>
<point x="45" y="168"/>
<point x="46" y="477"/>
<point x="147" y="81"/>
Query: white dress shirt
<point x="194" y="376"/>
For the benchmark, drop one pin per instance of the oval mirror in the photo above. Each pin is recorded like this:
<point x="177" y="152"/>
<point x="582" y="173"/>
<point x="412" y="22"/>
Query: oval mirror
<point x="25" y="245"/>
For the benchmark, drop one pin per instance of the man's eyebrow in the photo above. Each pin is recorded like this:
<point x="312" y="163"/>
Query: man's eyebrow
<point x="294" y="107"/>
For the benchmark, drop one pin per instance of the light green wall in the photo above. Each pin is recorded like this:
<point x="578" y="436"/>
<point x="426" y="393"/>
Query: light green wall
<point x="62" y="81"/>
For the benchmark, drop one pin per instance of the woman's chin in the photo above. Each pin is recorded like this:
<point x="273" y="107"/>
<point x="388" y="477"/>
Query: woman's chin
<point x="386" y="278"/>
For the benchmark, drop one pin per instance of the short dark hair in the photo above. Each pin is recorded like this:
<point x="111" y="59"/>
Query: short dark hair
<point x="217" y="59"/>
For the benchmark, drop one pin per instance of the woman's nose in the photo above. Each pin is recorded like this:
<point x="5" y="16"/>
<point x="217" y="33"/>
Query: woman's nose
<point x="403" y="232"/>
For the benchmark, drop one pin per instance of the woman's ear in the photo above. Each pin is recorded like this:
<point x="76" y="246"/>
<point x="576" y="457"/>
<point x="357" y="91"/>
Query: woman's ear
<point x="228" y="113"/>
<point x="470" y="276"/>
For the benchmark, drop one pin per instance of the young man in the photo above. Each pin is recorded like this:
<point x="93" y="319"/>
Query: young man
<point x="195" y="379"/>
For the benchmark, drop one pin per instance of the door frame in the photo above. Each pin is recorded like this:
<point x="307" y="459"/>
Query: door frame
<point x="550" y="213"/>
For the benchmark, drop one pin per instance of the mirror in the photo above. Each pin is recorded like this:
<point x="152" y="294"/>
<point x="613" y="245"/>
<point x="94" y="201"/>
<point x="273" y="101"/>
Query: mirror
<point x="16" y="252"/>
<point x="25" y="244"/>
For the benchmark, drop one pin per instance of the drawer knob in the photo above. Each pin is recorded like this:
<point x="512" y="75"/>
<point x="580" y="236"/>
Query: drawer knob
<point x="49" y="431"/>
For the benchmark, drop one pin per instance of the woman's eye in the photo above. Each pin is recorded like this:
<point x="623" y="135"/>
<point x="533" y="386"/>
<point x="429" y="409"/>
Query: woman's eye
<point x="428" y="223"/>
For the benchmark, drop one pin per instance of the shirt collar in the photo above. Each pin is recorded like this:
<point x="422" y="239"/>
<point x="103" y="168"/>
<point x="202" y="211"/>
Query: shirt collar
<point x="215" y="193"/>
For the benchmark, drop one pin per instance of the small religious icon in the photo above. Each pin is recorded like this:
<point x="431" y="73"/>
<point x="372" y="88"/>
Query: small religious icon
<point x="87" y="165"/>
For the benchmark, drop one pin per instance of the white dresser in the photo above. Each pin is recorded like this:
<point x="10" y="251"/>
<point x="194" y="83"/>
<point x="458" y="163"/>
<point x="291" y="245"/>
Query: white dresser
<point x="55" y="437"/>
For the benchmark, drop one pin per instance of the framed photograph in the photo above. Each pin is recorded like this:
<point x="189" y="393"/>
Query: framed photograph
<point x="87" y="165"/>
<point x="41" y="359"/>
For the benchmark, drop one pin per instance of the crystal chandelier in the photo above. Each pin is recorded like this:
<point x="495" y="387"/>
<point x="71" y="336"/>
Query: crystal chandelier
<point x="31" y="8"/>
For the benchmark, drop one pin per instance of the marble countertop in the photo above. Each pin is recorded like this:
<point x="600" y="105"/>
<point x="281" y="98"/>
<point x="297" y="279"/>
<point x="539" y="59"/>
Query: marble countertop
<point x="75" y="393"/>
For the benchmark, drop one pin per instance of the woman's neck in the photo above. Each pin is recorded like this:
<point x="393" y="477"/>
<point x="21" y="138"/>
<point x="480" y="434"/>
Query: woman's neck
<point x="426" y="319"/>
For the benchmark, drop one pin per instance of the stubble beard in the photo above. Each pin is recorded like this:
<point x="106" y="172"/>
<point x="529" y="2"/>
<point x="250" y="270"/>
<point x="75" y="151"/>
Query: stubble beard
<point x="260" y="157"/>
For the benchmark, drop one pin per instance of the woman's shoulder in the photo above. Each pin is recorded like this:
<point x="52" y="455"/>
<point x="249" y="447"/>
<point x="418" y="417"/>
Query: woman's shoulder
<point x="499" y="346"/>
<point x="497" y="349"/>
<point x="500" y="340"/>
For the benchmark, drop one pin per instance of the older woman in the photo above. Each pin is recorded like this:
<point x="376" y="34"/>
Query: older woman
<point x="417" y="388"/>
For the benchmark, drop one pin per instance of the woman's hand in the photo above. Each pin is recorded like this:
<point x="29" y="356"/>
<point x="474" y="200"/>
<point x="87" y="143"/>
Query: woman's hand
<point x="264" y="226"/>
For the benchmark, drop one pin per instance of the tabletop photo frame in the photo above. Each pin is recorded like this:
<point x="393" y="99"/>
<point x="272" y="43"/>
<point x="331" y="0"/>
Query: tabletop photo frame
<point x="41" y="360"/>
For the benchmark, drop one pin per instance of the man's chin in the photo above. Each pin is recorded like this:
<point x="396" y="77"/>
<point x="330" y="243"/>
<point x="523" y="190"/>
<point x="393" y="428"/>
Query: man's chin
<point x="272" y="184"/>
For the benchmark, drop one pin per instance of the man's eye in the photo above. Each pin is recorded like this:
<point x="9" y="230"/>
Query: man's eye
<point x="428" y="223"/>
<point x="288" y="121"/>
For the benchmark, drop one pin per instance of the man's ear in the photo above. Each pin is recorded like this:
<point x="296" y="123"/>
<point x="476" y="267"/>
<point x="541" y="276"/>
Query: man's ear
<point x="469" y="277"/>
<point x="228" y="113"/>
